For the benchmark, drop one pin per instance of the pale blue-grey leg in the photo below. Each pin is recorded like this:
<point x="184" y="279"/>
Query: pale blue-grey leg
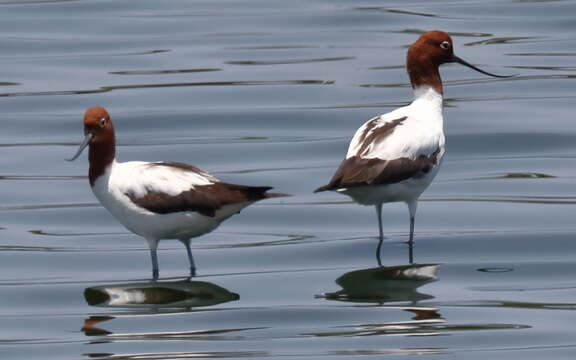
<point x="186" y="243"/>
<point x="412" y="207"/>
<point x="381" y="233"/>
<point x="153" y="245"/>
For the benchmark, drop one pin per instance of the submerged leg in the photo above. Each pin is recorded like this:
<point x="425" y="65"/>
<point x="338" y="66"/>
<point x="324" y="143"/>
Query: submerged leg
<point x="411" y="253"/>
<point x="380" y="232"/>
<point x="153" y="245"/>
<point x="186" y="243"/>
<point x="412" y="206"/>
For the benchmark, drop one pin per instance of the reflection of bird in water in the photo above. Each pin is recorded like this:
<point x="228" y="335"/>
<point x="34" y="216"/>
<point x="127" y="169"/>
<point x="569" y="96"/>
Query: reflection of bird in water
<point x="159" y="200"/>
<point x="385" y="284"/>
<point x="394" y="157"/>
<point x="152" y="296"/>
<point x="91" y="328"/>
<point x="159" y="295"/>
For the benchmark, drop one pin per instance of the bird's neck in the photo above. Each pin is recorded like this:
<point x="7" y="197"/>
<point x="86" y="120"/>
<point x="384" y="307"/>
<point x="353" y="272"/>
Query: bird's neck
<point x="424" y="73"/>
<point x="101" y="156"/>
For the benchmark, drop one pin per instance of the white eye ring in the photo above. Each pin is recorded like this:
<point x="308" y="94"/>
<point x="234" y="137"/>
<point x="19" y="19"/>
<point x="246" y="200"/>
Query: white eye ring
<point x="102" y="122"/>
<point x="445" y="45"/>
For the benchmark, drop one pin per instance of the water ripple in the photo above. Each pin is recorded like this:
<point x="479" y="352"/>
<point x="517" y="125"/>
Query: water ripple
<point x="106" y="89"/>
<point x="474" y="81"/>
<point x="557" y="200"/>
<point x="452" y="33"/>
<point x="287" y="61"/>
<point x="47" y="206"/>
<point x="505" y="40"/>
<point x="543" y="54"/>
<point x="25" y="2"/>
<point x="405" y="12"/>
<point x="41" y="177"/>
<point x="271" y="47"/>
<point x="515" y="304"/>
<point x="180" y="355"/>
<point x="162" y="72"/>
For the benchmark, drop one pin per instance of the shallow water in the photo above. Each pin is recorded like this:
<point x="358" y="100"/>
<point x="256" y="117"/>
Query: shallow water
<point x="269" y="93"/>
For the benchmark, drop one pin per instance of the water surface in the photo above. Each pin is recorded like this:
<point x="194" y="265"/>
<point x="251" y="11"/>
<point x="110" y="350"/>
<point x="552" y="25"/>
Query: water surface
<point x="269" y="93"/>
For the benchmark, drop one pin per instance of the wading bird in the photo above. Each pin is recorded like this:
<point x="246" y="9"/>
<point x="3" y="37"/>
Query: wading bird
<point x="159" y="200"/>
<point x="394" y="157"/>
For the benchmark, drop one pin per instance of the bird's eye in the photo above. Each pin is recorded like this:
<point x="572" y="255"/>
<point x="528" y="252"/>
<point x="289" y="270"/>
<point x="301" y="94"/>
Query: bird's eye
<point x="102" y="122"/>
<point x="445" y="45"/>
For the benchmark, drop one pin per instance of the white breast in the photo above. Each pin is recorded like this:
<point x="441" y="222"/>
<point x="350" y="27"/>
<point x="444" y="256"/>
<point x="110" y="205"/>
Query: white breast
<point x="421" y="133"/>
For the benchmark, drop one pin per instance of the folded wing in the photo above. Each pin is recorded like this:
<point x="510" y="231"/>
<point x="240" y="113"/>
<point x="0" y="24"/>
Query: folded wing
<point x="377" y="156"/>
<point x="169" y="187"/>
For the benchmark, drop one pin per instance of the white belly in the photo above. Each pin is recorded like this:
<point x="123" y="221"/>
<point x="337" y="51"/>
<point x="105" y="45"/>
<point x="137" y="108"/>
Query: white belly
<point x="178" y="225"/>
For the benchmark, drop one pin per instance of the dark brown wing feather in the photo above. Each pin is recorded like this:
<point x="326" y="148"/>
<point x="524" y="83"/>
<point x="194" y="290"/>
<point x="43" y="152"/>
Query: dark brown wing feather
<point x="361" y="171"/>
<point x="205" y="199"/>
<point x="356" y="171"/>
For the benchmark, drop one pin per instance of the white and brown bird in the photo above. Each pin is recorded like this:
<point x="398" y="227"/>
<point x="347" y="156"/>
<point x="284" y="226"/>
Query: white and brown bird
<point x="394" y="157"/>
<point x="159" y="200"/>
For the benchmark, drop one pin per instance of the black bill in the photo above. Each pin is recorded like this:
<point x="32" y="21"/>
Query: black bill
<point x="465" y="63"/>
<point x="85" y="143"/>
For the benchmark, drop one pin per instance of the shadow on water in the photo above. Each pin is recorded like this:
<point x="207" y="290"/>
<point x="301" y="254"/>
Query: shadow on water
<point x="157" y="295"/>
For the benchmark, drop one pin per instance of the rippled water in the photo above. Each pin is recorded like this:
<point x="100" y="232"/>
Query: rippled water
<point x="269" y="93"/>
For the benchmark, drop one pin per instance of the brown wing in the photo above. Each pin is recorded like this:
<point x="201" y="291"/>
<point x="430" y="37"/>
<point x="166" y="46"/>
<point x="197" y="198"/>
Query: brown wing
<point x="356" y="171"/>
<point x="205" y="199"/>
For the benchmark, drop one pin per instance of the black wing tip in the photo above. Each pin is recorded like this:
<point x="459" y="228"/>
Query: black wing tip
<point x="255" y="193"/>
<point x="324" y="188"/>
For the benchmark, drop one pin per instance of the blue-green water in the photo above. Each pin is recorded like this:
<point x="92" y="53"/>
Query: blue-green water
<point x="269" y="93"/>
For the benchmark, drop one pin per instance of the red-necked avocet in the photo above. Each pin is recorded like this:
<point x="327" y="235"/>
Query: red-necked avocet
<point x="159" y="200"/>
<point x="395" y="156"/>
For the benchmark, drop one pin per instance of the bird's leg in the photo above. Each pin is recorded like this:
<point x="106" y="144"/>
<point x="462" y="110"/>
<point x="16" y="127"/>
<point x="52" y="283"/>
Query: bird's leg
<point x="186" y="243"/>
<point x="411" y="253"/>
<point x="381" y="233"/>
<point x="411" y="240"/>
<point x="412" y="206"/>
<point x="153" y="245"/>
